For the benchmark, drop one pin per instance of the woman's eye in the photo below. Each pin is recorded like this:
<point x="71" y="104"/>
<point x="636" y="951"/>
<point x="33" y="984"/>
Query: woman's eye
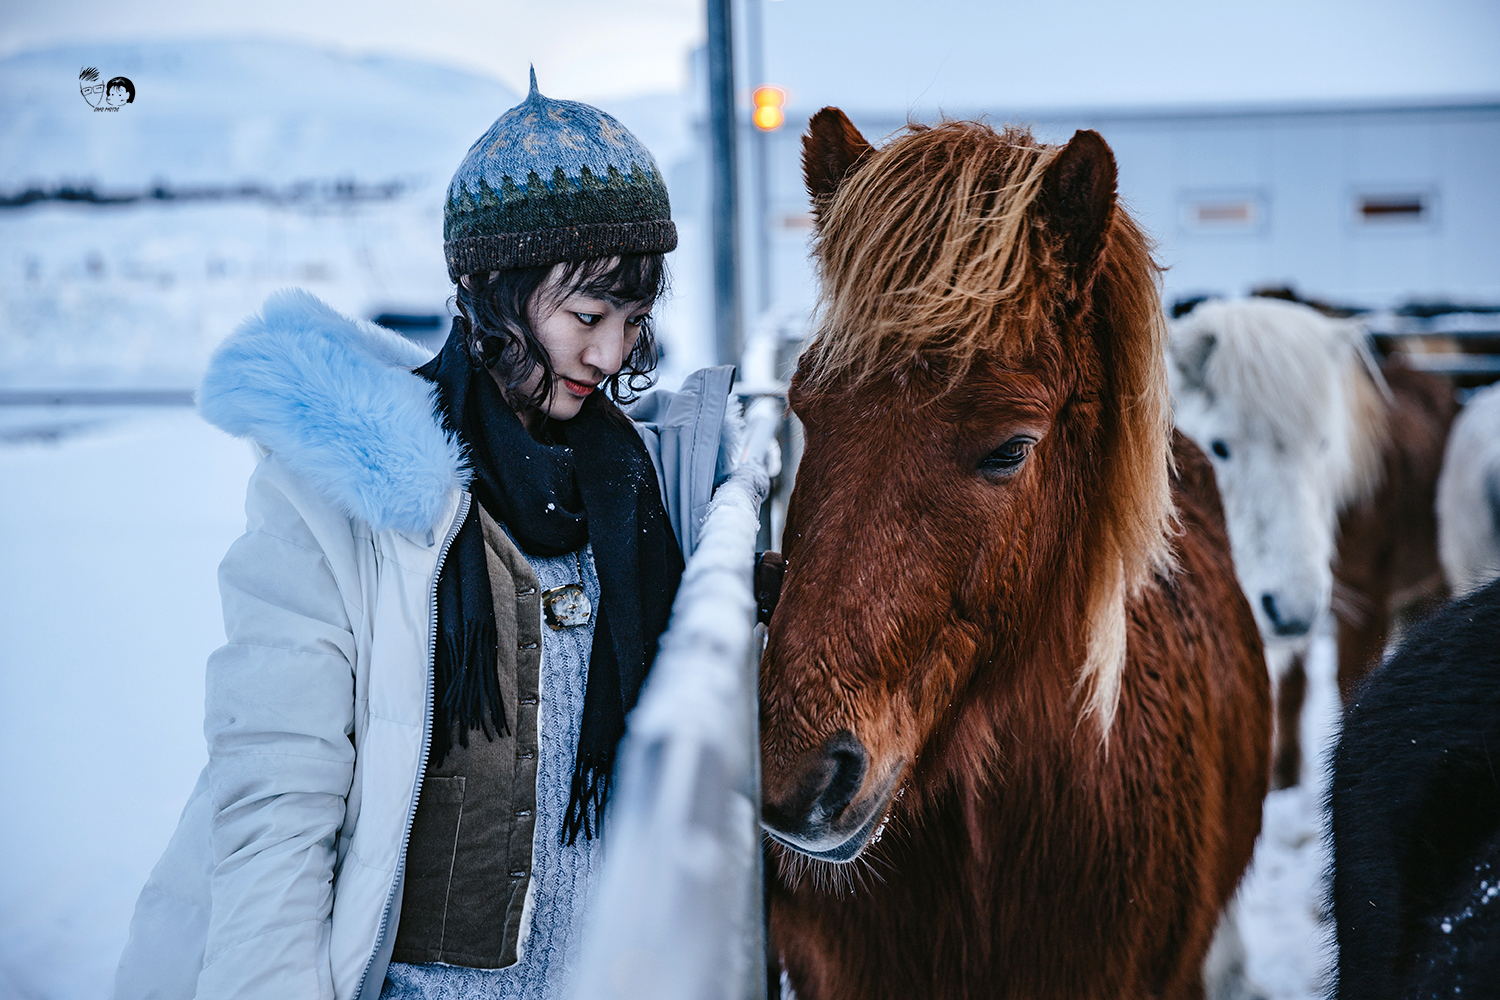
<point x="638" y="320"/>
<point x="1218" y="447"/>
<point x="588" y="319"/>
<point x="1008" y="457"/>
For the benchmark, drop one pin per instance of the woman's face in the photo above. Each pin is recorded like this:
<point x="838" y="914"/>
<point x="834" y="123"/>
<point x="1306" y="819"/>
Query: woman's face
<point x="587" y="340"/>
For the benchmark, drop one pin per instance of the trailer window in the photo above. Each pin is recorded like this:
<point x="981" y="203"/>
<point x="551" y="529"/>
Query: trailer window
<point x="1223" y="212"/>
<point x="1392" y="209"/>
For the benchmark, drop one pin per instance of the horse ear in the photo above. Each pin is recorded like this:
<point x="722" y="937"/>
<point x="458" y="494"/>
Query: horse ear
<point x="831" y="149"/>
<point x="1079" y="194"/>
<point x="1191" y="359"/>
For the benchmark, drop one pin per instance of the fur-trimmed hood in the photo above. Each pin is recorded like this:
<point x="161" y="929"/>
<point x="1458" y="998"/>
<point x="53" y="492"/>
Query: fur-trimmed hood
<point x="336" y="399"/>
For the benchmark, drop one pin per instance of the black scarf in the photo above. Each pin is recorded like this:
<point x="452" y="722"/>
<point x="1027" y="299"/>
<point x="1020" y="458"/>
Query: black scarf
<point x="596" y="483"/>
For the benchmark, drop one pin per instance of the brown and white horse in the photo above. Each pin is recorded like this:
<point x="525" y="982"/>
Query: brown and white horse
<point x="1327" y="465"/>
<point x="1290" y="405"/>
<point x="1015" y="717"/>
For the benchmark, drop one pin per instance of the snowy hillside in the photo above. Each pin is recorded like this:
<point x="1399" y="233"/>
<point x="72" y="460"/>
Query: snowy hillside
<point x="217" y="111"/>
<point x="139" y="293"/>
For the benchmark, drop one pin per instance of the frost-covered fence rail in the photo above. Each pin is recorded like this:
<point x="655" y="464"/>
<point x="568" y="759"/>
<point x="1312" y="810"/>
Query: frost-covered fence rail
<point x="678" y="912"/>
<point x="1460" y="342"/>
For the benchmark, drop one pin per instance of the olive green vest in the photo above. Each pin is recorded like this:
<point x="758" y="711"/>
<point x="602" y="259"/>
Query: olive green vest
<point x="468" y="863"/>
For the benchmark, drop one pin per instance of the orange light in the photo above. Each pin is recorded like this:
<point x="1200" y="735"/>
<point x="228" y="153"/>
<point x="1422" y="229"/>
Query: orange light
<point x="768" y="115"/>
<point x="768" y="119"/>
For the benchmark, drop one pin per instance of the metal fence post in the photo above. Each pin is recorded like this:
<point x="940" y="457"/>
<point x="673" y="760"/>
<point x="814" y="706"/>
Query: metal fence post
<point x="724" y="184"/>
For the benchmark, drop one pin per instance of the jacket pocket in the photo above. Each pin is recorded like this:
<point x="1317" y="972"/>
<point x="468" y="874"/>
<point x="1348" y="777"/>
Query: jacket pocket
<point x="429" y="869"/>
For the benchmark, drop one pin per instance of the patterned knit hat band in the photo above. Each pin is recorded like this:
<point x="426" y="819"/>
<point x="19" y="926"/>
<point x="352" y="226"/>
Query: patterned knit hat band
<point x="554" y="181"/>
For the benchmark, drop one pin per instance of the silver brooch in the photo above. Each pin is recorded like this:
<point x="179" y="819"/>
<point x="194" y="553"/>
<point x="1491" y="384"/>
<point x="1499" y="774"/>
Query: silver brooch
<point x="567" y="606"/>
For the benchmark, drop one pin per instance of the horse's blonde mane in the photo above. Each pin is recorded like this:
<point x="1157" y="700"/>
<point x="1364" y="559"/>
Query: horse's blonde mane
<point x="935" y="246"/>
<point x="1284" y="360"/>
<point x="928" y="247"/>
<point x="1370" y="426"/>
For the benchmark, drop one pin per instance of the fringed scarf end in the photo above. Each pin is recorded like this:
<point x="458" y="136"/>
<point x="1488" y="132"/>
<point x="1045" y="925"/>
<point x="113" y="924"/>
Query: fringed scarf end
<point x="586" y="801"/>
<point x="469" y="699"/>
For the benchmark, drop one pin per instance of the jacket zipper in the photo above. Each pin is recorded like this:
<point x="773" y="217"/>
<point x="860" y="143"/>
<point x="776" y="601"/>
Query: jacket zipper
<point x="411" y="810"/>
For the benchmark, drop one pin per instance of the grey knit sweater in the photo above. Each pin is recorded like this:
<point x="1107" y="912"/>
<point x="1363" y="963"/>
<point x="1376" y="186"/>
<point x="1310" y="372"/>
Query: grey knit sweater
<point x="561" y="874"/>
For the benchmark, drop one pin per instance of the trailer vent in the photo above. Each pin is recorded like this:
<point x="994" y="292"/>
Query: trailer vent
<point x="1223" y="212"/>
<point x="1384" y="209"/>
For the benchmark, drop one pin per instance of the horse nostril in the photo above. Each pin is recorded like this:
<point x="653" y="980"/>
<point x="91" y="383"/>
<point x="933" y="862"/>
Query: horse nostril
<point x="1269" y="603"/>
<point x="1281" y="625"/>
<point x="825" y="782"/>
<point x="849" y="763"/>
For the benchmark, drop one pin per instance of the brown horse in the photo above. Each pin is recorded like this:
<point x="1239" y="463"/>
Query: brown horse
<point x="1011" y="682"/>
<point x="1386" y="568"/>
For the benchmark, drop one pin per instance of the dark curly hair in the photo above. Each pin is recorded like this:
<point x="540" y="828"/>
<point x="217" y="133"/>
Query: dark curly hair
<point x="124" y="82"/>
<point x="502" y="340"/>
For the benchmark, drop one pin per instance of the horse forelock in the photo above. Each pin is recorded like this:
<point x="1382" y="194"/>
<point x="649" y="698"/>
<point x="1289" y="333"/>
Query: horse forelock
<point x="930" y="248"/>
<point x="936" y="251"/>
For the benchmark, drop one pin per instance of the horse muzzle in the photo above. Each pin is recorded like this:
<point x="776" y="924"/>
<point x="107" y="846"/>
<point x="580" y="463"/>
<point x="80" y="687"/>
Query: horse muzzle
<point x="823" y="814"/>
<point x="1291" y="615"/>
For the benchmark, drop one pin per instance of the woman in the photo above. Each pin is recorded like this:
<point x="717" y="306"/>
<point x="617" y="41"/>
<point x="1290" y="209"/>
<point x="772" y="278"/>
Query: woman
<point x="446" y="601"/>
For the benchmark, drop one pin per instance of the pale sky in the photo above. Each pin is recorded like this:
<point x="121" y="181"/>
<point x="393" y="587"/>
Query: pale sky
<point x="874" y="54"/>
<point x="964" y="55"/>
<point x="581" y="48"/>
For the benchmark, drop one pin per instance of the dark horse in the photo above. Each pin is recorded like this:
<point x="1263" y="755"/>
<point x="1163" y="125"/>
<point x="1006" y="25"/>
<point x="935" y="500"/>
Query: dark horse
<point x="1415" y="815"/>
<point x="1015" y="717"/>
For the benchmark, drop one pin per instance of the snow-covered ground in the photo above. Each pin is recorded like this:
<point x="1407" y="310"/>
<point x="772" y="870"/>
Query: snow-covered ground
<point x="108" y="607"/>
<point x="1288" y="943"/>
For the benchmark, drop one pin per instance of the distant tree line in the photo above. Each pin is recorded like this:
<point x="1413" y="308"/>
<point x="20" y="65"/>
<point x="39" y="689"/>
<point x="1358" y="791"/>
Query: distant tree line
<point x="343" y="191"/>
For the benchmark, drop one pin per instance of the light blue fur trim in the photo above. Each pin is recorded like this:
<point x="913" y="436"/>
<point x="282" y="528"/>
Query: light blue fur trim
<point x="336" y="399"/>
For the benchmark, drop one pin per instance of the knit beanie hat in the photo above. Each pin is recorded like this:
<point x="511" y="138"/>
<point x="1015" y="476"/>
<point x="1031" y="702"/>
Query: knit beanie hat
<point x="554" y="181"/>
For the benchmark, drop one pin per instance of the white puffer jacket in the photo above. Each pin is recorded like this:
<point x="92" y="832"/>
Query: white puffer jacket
<point x="285" y="871"/>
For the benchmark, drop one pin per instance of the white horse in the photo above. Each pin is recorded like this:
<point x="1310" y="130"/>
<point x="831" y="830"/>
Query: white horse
<point x="1288" y="404"/>
<point x="1468" y="495"/>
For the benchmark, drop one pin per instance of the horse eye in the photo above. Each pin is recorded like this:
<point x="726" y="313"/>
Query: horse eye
<point x="1218" y="447"/>
<point x="1008" y="457"/>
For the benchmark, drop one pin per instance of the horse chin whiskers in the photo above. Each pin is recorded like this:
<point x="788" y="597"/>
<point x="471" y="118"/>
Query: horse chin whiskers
<point x="844" y="879"/>
<point x="840" y="879"/>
